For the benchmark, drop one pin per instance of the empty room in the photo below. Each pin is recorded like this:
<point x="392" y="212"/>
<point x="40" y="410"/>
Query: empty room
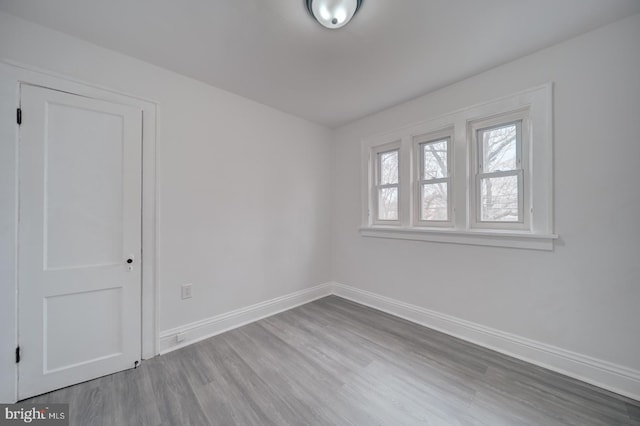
<point x="320" y="212"/>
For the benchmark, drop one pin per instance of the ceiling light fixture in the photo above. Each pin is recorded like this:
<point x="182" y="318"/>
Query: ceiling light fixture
<point x="333" y="14"/>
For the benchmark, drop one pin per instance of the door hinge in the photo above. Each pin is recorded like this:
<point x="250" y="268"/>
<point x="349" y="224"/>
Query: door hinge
<point x="17" y="354"/>
<point x="19" y="116"/>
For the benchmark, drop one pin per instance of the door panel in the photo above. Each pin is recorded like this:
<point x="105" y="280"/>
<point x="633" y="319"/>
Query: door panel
<point x="79" y="222"/>
<point x="105" y="339"/>
<point x="91" y="235"/>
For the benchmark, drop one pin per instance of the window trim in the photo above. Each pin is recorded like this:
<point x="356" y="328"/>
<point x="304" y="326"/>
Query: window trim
<point x="537" y="156"/>
<point x="478" y="237"/>
<point x="418" y="179"/>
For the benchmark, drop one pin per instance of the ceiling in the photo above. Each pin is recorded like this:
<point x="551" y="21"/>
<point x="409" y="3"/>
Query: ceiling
<point x="273" y="52"/>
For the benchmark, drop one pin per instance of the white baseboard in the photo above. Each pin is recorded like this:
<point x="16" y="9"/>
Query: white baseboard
<point x="616" y="378"/>
<point x="208" y="327"/>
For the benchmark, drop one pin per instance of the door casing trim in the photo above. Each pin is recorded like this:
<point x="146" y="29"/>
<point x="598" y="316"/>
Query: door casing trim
<point x="13" y="74"/>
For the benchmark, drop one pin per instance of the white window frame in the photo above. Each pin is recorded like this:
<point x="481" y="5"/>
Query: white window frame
<point x="418" y="143"/>
<point x="523" y="131"/>
<point x="533" y="107"/>
<point x="375" y="185"/>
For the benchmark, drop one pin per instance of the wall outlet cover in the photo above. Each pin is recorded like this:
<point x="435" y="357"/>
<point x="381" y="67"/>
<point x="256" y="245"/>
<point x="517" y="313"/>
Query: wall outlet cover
<point x="186" y="291"/>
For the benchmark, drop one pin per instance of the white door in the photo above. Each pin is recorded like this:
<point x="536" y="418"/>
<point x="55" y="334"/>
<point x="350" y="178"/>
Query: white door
<point x="79" y="226"/>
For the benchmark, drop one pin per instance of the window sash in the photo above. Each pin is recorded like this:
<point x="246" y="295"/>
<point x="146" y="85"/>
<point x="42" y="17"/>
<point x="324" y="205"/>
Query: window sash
<point x="377" y="153"/>
<point x="421" y="180"/>
<point x="518" y="119"/>
<point x="421" y="201"/>
<point x="480" y="143"/>
<point x="481" y="176"/>
<point x="377" y="204"/>
<point x="423" y="146"/>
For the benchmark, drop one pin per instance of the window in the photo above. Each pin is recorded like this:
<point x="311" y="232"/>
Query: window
<point x="475" y="176"/>
<point x="499" y="173"/>
<point x="387" y="182"/>
<point x="433" y="165"/>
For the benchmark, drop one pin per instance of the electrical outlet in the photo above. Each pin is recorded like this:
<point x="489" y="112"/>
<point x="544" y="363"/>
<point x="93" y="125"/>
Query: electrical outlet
<point x="180" y="337"/>
<point x="186" y="291"/>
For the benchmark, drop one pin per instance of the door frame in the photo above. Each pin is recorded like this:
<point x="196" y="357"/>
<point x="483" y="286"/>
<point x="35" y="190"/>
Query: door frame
<point x="12" y="75"/>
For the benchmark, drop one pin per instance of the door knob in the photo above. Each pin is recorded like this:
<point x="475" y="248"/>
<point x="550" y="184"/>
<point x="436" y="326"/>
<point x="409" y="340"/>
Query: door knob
<point x="130" y="262"/>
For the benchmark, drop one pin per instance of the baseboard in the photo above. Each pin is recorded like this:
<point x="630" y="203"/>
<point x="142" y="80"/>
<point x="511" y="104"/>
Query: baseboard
<point x="619" y="379"/>
<point x="209" y="327"/>
<point x="616" y="378"/>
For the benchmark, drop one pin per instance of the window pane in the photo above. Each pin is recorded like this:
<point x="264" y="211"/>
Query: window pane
<point x="499" y="148"/>
<point x="388" y="204"/>
<point x="435" y="160"/>
<point x="388" y="168"/>
<point x="434" y="201"/>
<point x="499" y="199"/>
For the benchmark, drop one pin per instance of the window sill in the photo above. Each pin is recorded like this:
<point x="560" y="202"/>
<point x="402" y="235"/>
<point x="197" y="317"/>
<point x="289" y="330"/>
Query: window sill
<point x="494" y="238"/>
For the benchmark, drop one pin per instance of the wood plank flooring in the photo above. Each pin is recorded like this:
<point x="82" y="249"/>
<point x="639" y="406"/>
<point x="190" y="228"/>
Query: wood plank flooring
<point x="335" y="362"/>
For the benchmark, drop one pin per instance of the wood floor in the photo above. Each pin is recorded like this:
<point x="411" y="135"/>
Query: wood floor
<point x="334" y="362"/>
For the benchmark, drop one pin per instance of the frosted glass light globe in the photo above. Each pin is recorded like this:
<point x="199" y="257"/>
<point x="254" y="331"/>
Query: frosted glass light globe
<point x="333" y="14"/>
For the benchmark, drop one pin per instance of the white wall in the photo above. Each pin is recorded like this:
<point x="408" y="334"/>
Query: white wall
<point x="584" y="296"/>
<point x="245" y="193"/>
<point x="244" y="190"/>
